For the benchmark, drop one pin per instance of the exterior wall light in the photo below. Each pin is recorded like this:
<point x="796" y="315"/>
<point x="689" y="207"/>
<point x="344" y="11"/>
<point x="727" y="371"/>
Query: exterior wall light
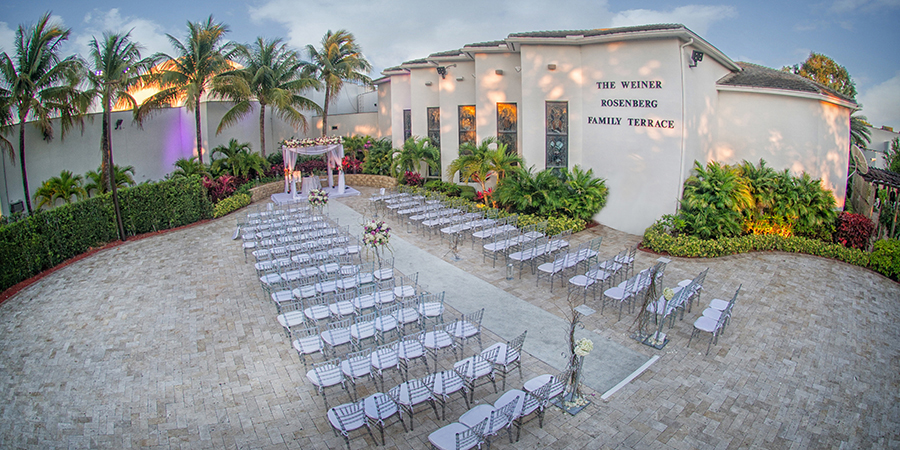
<point x="696" y="57"/>
<point x="460" y="78"/>
<point x="427" y="83"/>
<point x="499" y="71"/>
<point x="551" y="66"/>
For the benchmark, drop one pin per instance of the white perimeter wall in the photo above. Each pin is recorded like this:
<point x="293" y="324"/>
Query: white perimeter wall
<point x="788" y="132"/>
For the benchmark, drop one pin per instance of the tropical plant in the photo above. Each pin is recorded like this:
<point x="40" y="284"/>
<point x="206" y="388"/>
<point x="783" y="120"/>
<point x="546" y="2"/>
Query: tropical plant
<point x="187" y="76"/>
<point x="763" y="183"/>
<point x="587" y="194"/>
<point x="338" y="59"/>
<point x="239" y="160"/>
<point x="526" y="192"/>
<point x="187" y="167"/>
<point x="892" y="157"/>
<point x="274" y="75"/>
<point x="63" y="187"/>
<point x="414" y="153"/>
<point x="378" y="157"/>
<point x="853" y="230"/>
<point x="713" y="200"/>
<point x="95" y="181"/>
<point x="860" y="135"/>
<point x="220" y="187"/>
<point x="480" y="163"/>
<point x="40" y="85"/>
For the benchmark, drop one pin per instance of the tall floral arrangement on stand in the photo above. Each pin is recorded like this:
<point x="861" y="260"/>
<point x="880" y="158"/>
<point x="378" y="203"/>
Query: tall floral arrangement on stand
<point x="376" y="235"/>
<point x="317" y="198"/>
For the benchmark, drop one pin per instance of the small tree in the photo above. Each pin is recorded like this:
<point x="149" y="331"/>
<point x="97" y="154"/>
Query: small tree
<point x="892" y="157"/>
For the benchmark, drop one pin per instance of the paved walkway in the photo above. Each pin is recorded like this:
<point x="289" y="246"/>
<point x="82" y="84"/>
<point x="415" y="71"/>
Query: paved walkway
<point x="169" y="342"/>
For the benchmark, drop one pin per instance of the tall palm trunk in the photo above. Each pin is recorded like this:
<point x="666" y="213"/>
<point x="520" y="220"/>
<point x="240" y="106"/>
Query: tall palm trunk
<point x="325" y="109"/>
<point x="110" y="169"/>
<point x="22" y="161"/>
<point x="262" y="129"/>
<point x="199" y="131"/>
<point x="105" y="147"/>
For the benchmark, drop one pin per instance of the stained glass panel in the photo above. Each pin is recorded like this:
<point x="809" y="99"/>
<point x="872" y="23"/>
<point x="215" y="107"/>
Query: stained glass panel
<point x="407" y="124"/>
<point x="557" y="151"/>
<point x="434" y="133"/>
<point x="508" y="126"/>
<point x="466" y="124"/>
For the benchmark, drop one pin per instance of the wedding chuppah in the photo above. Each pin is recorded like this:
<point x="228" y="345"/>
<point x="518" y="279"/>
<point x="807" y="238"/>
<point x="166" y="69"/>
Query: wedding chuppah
<point x="332" y="148"/>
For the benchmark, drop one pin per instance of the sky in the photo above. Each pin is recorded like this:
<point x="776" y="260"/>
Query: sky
<point x="861" y="35"/>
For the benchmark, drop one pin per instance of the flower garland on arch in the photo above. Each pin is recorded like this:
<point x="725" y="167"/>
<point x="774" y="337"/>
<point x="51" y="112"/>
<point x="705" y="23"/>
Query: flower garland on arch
<point x="312" y="142"/>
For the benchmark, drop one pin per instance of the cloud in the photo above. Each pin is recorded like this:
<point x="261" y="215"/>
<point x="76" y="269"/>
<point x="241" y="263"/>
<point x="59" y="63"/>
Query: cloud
<point x="392" y="32"/>
<point x="868" y="6"/>
<point x="881" y="103"/>
<point x="7" y="38"/>
<point x="696" y="17"/>
<point x="147" y="33"/>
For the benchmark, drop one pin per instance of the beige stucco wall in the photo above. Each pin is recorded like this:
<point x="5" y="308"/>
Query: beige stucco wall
<point x="400" y="100"/>
<point x="453" y="94"/>
<point x="492" y="88"/>
<point x="788" y="132"/>
<point x="384" y="109"/>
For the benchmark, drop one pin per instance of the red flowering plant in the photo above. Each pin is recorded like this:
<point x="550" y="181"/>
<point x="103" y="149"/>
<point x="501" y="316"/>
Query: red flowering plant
<point x="485" y="197"/>
<point x="220" y="187"/>
<point x="351" y="165"/>
<point x="413" y="178"/>
<point x="853" y="230"/>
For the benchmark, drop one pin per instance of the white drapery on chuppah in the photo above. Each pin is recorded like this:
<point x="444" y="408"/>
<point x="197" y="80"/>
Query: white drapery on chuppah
<point x="334" y="154"/>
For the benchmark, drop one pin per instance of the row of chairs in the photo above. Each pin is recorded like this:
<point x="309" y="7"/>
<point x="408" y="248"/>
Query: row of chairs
<point x="438" y="387"/>
<point x="603" y="274"/>
<point x="402" y="353"/>
<point x="480" y="423"/>
<point x="505" y="243"/>
<point x="633" y="290"/>
<point x="714" y="319"/>
<point x="582" y="255"/>
<point x="308" y="336"/>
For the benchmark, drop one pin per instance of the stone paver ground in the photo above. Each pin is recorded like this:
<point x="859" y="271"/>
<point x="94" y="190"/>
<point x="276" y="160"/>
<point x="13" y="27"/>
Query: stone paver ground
<point x="169" y="342"/>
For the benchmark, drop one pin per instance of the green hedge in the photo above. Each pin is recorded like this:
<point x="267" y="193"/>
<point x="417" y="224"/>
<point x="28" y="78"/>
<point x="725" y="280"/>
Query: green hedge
<point x="657" y="239"/>
<point x="48" y="238"/>
<point x="886" y="258"/>
<point x="555" y="224"/>
<point x="233" y="203"/>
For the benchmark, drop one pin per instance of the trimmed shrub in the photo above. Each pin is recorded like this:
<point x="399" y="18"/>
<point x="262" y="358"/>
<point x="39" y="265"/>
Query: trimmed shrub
<point x="853" y="230"/>
<point x="886" y="258"/>
<point x="48" y="238"/>
<point x="658" y="239"/>
<point x="230" y="204"/>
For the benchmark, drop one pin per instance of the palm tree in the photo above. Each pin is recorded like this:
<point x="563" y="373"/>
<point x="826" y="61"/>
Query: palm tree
<point x="587" y="194"/>
<point x="63" y="187"/>
<point x="238" y="161"/>
<point x="186" y="167"/>
<point x="274" y="75"/>
<point x="339" y="59"/>
<point x="415" y="151"/>
<point x="200" y="58"/>
<point x="860" y="135"/>
<point x="39" y="85"/>
<point x="96" y="180"/>
<point x="116" y="68"/>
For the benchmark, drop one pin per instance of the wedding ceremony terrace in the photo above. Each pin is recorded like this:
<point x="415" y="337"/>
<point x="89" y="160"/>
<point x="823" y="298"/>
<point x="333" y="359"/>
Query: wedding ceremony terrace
<point x="169" y="342"/>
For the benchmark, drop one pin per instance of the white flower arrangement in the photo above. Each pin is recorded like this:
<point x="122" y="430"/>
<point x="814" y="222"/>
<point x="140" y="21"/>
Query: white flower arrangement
<point x="318" y="197"/>
<point x="583" y="346"/>
<point x="319" y="141"/>
<point x="668" y="293"/>
<point x="376" y="234"/>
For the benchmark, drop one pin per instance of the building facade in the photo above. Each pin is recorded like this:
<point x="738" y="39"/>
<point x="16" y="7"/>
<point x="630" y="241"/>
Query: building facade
<point x="638" y="105"/>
